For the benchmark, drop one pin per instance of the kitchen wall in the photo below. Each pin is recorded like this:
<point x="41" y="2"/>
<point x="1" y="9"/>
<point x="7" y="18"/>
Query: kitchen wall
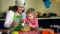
<point x="4" y="4"/>
<point x="37" y="4"/>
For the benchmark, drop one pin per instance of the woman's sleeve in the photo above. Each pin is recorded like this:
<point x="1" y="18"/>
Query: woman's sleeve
<point x="36" y="24"/>
<point x="23" y="15"/>
<point x="9" y="18"/>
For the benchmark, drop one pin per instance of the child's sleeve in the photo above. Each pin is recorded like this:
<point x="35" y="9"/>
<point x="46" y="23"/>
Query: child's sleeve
<point x="36" y="24"/>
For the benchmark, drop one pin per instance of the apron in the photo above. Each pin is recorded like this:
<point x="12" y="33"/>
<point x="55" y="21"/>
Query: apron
<point x="18" y="20"/>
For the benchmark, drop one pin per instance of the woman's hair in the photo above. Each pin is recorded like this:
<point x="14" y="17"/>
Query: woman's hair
<point x="31" y="10"/>
<point x="15" y="8"/>
<point x="10" y="7"/>
<point x="23" y="10"/>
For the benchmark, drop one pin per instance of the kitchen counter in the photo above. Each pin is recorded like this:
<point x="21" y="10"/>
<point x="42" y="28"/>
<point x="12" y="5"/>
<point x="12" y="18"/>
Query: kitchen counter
<point x="50" y="18"/>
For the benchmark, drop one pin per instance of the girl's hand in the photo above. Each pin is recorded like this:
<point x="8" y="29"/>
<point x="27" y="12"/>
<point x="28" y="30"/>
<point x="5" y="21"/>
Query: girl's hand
<point x="29" y="25"/>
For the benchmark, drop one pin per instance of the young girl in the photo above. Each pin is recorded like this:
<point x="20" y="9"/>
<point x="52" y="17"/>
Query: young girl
<point x="31" y="19"/>
<point x="31" y="22"/>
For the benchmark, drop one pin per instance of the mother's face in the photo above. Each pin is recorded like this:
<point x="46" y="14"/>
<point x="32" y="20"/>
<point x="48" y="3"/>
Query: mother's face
<point x="20" y="9"/>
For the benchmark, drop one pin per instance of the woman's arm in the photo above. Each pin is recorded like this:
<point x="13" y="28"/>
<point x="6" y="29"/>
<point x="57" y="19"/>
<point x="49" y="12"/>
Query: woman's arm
<point x="9" y="18"/>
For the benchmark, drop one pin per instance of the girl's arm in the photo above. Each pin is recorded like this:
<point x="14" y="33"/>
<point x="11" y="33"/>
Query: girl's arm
<point x="36" y="24"/>
<point x="9" y="18"/>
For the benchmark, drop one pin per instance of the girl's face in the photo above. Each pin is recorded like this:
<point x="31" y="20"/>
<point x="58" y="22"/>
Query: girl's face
<point x="30" y="16"/>
<point x="20" y="9"/>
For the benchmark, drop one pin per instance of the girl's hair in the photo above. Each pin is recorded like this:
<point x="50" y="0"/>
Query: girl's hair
<point x="31" y="10"/>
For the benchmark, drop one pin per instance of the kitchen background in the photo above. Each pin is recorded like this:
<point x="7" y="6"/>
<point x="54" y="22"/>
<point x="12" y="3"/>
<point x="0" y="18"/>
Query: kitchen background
<point x="40" y="7"/>
<point x="37" y="4"/>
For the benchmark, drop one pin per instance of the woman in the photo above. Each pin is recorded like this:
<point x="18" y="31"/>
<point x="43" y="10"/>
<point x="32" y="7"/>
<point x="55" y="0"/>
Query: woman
<point x="14" y="17"/>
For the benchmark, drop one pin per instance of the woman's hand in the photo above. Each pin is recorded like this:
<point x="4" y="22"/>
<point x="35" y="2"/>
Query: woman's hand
<point x="14" y="24"/>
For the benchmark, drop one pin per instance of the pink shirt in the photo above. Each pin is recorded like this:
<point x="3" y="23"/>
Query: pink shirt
<point x="34" y="22"/>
